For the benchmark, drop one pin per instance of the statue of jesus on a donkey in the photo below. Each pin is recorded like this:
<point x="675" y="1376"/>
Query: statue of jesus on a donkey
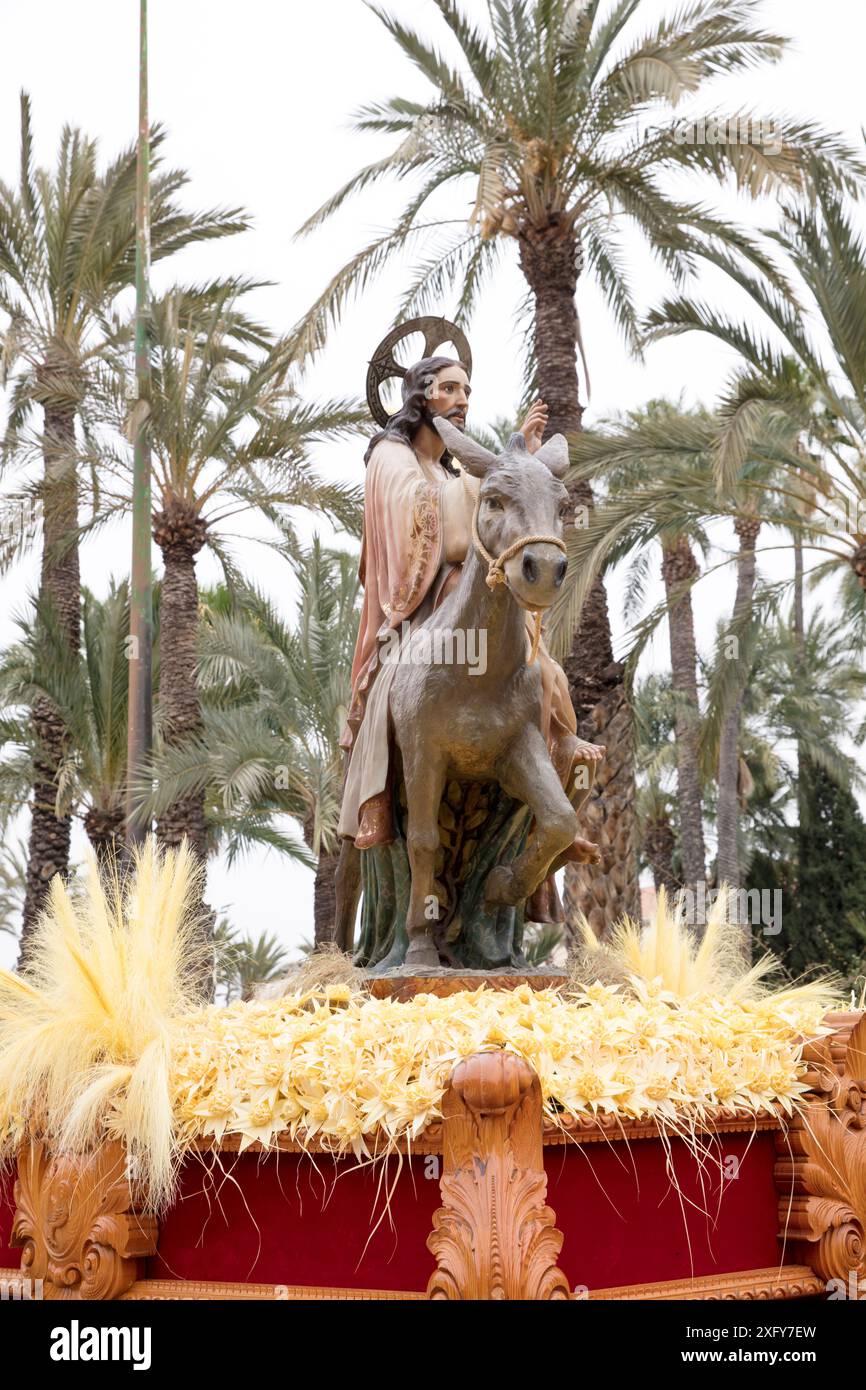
<point x="464" y="776"/>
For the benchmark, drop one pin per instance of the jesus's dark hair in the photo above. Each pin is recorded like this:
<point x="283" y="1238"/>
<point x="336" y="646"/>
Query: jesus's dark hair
<point x="407" y="421"/>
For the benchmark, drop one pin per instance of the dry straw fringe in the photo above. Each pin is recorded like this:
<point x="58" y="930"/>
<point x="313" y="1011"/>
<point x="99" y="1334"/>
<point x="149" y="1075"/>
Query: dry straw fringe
<point x="104" y="1037"/>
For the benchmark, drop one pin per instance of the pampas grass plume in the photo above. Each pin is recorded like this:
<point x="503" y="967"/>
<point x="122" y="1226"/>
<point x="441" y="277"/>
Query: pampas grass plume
<point x="86" y="1037"/>
<point x="686" y="964"/>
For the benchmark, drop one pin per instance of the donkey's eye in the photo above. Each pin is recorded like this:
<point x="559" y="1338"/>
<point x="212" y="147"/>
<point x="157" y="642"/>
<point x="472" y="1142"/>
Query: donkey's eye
<point x="494" y="504"/>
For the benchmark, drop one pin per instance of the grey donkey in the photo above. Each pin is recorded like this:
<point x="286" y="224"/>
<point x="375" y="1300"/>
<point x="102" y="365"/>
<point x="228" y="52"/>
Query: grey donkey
<point x="452" y="722"/>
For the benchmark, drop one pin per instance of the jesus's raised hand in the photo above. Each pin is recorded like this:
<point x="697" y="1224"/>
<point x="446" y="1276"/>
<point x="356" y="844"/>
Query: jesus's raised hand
<point x="534" y="425"/>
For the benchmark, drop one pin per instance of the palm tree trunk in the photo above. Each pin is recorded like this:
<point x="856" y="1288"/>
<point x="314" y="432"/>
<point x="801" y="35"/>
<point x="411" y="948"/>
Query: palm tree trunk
<point x="679" y="569"/>
<point x="325" y="899"/>
<point x="180" y="533"/>
<point x="728" y="815"/>
<point x="799" y="619"/>
<point x="548" y="259"/>
<point x="800" y="653"/>
<point x="659" y="850"/>
<point x="104" y="827"/>
<point x="59" y="586"/>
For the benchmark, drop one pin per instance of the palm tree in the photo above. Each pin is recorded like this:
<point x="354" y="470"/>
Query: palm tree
<point x="541" y="943"/>
<point x="819" y="714"/>
<point x="245" y="961"/>
<point x="802" y="405"/>
<point x="89" y="692"/>
<point x="67" y="249"/>
<point x="655" y="817"/>
<point x="13" y="873"/>
<point x="275" y="700"/>
<point x="666" y="486"/>
<point x="781" y="407"/>
<point x="228" y="435"/>
<point x="747" y="527"/>
<point x="659" y="817"/>
<point x="620" y="447"/>
<point x="320" y="653"/>
<point x="804" y="692"/>
<point x="537" y="131"/>
<point x="680" y="569"/>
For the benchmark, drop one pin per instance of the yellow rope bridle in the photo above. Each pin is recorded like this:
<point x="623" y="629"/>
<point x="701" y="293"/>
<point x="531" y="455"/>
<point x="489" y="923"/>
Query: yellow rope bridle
<point x="496" y="567"/>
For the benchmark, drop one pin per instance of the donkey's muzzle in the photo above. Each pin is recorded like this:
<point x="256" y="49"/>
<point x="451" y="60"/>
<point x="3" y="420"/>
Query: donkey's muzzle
<point x="536" y="574"/>
<point x="543" y="567"/>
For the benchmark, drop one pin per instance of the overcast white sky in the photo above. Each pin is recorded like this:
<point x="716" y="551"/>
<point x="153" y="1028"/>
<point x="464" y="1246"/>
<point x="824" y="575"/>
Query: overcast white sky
<point x="255" y="98"/>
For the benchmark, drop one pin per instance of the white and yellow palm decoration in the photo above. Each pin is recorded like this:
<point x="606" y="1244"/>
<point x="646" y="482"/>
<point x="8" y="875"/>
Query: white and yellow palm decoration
<point x="104" y="1037"/>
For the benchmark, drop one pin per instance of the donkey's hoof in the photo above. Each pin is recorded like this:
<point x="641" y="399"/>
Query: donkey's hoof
<point x="422" y="954"/>
<point x="499" y="887"/>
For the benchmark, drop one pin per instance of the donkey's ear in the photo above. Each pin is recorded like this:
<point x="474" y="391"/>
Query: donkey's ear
<point x="475" y="458"/>
<point x="554" y="452"/>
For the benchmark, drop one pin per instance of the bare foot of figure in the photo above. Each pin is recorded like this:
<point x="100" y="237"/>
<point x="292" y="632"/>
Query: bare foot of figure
<point x="582" y="852"/>
<point x="588" y="752"/>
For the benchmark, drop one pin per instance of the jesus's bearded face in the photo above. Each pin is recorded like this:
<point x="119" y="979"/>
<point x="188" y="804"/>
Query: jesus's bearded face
<point x="448" y="395"/>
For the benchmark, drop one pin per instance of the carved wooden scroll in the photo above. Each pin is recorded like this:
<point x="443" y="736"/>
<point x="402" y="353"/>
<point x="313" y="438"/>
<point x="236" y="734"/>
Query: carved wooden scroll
<point x="75" y="1222"/>
<point x="494" y="1237"/>
<point x="821" y="1169"/>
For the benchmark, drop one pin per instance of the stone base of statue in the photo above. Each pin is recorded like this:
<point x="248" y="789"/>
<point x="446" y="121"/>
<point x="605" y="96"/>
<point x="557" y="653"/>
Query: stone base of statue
<point x="405" y="982"/>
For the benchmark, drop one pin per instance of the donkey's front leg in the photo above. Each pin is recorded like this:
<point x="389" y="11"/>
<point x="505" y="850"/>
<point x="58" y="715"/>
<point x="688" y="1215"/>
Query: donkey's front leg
<point x="425" y="784"/>
<point x="527" y="774"/>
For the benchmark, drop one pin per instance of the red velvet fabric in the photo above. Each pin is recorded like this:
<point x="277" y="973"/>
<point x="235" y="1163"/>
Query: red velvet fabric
<point x="282" y="1220"/>
<point x="624" y="1223"/>
<point x="289" y="1219"/>
<point x="9" y="1259"/>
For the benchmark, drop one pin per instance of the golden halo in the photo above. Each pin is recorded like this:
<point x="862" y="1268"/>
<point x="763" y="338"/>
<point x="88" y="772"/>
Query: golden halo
<point x="383" y="366"/>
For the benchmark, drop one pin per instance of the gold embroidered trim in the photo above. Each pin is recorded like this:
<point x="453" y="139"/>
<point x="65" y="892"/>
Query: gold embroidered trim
<point x="423" y="537"/>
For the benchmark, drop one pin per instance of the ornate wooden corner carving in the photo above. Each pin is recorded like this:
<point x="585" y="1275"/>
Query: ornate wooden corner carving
<point x="75" y="1222"/>
<point x="821" y="1167"/>
<point x="495" y="1236"/>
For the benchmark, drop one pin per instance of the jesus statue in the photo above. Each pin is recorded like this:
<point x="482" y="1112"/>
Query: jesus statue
<point x="417" y="532"/>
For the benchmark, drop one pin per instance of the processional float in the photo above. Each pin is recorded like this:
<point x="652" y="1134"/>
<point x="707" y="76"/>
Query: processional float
<point x="523" y="1182"/>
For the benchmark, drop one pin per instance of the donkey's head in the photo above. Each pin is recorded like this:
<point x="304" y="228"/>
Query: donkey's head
<point x="521" y="496"/>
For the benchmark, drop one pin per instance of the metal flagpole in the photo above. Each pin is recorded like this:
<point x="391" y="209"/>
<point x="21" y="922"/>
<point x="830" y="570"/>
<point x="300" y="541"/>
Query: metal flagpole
<point x="140" y="715"/>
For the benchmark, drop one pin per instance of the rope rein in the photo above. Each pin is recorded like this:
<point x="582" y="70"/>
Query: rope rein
<point x="496" y="568"/>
